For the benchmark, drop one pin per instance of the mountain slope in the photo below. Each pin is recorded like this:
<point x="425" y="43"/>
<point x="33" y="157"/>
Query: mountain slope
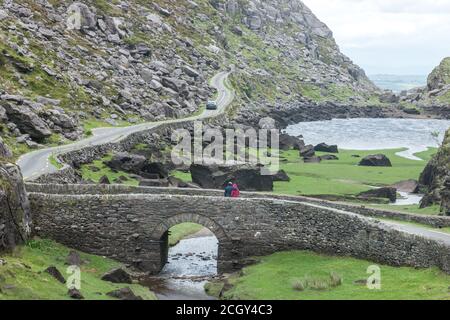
<point x="134" y="60"/>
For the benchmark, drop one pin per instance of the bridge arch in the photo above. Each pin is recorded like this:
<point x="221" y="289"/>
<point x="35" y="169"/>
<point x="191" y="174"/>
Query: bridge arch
<point x="161" y="234"/>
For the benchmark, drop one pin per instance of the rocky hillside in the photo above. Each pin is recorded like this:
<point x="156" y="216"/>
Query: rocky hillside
<point x="436" y="178"/>
<point x="128" y="61"/>
<point x="435" y="95"/>
<point x="15" y="216"/>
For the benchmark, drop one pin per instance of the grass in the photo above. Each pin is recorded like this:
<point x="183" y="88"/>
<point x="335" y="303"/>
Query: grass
<point x="185" y="176"/>
<point x="54" y="162"/>
<point x="432" y="211"/>
<point x="302" y="275"/>
<point x="22" y="278"/>
<point x="97" y="169"/>
<point x="183" y="230"/>
<point x="444" y="230"/>
<point x="344" y="176"/>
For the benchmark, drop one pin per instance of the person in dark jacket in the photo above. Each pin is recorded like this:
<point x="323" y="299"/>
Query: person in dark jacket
<point x="229" y="190"/>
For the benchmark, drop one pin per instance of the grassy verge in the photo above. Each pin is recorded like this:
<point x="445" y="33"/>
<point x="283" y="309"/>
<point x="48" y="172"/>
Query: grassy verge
<point x="301" y="275"/>
<point x="415" y="209"/>
<point x="22" y="277"/>
<point x="97" y="169"/>
<point x="344" y="177"/>
<point x="425" y="226"/>
<point x="181" y="231"/>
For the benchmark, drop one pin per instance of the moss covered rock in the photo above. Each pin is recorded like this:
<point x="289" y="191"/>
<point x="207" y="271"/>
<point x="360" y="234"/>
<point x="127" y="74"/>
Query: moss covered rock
<point x="440" y="76"/>
<point x="15" y="215"/>
<point x="436" y="178"/>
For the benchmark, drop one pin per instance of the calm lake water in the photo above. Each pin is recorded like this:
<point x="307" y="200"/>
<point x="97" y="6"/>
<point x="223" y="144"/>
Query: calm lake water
<point x="373" y="134"/>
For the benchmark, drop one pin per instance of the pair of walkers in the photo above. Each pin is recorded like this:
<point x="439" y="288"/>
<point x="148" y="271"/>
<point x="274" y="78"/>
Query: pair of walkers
<point x="232" y="190"/>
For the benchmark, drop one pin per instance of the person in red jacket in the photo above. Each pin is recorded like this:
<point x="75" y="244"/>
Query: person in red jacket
<point x="235" y="193"/>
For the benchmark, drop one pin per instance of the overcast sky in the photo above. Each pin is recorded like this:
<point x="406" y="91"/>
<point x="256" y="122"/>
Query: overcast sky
<point x="389" y="36"/>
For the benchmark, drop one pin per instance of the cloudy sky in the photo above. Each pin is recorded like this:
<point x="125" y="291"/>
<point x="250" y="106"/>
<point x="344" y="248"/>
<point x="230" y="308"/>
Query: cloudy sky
<point x="389" y="36"/>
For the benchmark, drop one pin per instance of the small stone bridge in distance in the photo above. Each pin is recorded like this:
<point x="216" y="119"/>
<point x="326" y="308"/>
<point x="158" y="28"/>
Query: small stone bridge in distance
<point x="130" y="224"/>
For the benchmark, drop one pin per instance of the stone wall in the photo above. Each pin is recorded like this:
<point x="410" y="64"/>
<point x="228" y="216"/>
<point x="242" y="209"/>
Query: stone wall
<point x="132" y="228"/>
<point x="434" y="221"/>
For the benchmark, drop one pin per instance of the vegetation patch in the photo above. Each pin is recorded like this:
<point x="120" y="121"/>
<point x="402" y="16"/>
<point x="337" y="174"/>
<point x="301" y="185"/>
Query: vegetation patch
<point x="302" y="275"/>
<point x="183" y="230"/>
<point x="22" y="275"/>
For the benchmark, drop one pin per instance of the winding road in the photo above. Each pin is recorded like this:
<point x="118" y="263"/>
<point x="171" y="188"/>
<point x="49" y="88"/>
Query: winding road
<point x="37" y="163"/>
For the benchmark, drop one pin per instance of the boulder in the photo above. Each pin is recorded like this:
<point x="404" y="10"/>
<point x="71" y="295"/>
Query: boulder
<point x="27" y="121"/>
<point x="124" y="294"/>
<point x="117" y="276"/>
<point x="389" y="97"/>
<point x="377" y="160"/>
<point x="88" y="19"/>
<point x="75" y="294"/>
<point x="124" y="161"/>
<point x="288" y="142"/>
<point x="55" y="273"/>
<point x="307" y="151"/>
<point x="150" y="169"/>
<point x="216" y="177"/>
<point x="281" y="176"/>
<point x="328" y="157"/>
<point x="104" y="180"/>
<point x="323" y="147"/>
<point x="388" y="193"/>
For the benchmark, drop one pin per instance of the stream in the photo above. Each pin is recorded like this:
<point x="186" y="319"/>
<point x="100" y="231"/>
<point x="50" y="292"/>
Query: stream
<point x="191" y="263"/>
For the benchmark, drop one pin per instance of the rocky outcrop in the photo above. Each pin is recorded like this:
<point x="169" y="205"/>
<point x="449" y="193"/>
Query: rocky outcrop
<point x="434" y="179"/>
<point x="323" y="147"/>
<point x="376" y="160"/>
<point x="440" y="76"/>
<point x="5" y="152"/>
<point x="15" y="214"/>
<point x="247" y="177"/>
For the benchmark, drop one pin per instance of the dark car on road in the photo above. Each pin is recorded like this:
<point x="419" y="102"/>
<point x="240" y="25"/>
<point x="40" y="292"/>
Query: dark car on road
<point x="211" y="105"/>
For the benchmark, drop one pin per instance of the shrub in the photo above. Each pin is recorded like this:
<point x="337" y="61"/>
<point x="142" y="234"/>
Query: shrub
<point x="335" y="279"/>
<point x="298" y="285"/>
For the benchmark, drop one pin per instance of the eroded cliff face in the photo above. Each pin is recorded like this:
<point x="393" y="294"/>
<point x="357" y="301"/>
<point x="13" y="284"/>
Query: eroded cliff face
<point x="15" y="214"/>
<point x="436" y="178"/>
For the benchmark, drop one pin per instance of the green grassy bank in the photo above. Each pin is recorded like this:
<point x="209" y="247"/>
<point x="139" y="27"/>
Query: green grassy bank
<point x="302" y="275"/>
<point x="22" y="275"/>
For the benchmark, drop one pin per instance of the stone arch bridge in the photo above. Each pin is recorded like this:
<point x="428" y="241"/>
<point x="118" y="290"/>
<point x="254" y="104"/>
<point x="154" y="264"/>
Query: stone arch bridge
<point x="130" y="224"/>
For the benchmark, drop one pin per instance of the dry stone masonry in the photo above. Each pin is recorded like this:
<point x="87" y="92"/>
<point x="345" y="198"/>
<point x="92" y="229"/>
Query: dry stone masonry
<point x="132" y="227"/>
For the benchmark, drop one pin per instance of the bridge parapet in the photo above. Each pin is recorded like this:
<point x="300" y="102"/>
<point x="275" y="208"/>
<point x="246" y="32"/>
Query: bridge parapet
<point x="132" y="228"/>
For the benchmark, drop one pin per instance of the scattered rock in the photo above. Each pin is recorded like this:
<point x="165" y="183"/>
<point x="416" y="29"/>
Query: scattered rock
<point x="117" y="276"/>
<point x="323" y="147"/>
<point x="124" y="294"/>
<point x="54" y="272"/>
<point x="75" y="294"/>
<point x="281" y="176"/>
<point x="104" y="180"/>
<point x="307" y="151"/>
<point x="328" y="157"/>
<point x="377" y="160"/>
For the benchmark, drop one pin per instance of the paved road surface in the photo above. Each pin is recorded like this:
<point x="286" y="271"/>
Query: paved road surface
<point x="37" y="163"/>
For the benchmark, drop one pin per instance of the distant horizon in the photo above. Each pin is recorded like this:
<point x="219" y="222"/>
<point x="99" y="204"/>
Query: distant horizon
<point x="402" y="37"/>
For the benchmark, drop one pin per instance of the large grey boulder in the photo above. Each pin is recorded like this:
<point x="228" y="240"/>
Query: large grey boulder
<point x="376" y="160"/>
<point x="248" y="177"/>
<point x="81" y="16"/>
<point x="323" y="147"/>
<point x="27" y="121"/>
<point x="117" y="276"/>
<point x="124" y="161"/>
